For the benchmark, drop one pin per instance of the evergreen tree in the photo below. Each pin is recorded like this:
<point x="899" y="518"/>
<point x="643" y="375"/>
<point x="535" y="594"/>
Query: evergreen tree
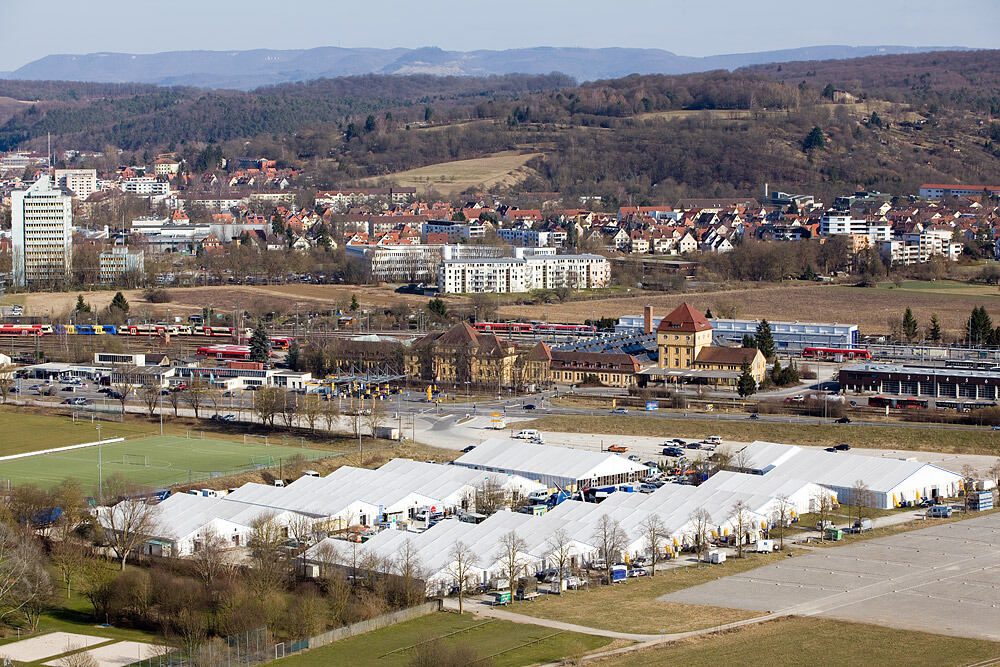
<point x="776" y="373"/>
<point x="810" y="273"/>
<point x="708" y="314"/>
<point x="292" y="356"/>
<point x="814" y="139"/>
<point x="81" y="305"/>
<point x="259" y="344"/>
<point x="749" y="341"/>
<point x="828" y="91"/>
<point x="765" y="342"/>
<point x="438" y="308"/>
<point x="934" y="333"/>
<point x="909" y="325"/>
<point x="980" y="326"/>
<point x="120" y="302"/>
<point x="747" y="385"/>
<point x="355" y="306"/>
<point x="458" y="216"/>
<point x="277" y="224"/>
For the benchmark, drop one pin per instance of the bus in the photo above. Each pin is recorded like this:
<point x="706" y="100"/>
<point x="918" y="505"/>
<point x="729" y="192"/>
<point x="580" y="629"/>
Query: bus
<point x="238" y="352"/>
<point x="281" y="342"/>
<point x="892" y="402"/>
<point x="833" y="353"/>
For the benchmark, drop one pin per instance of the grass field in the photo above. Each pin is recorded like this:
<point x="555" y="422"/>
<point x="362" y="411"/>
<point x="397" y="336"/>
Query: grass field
<point x="500" y="639"/>
<point x="450" y="178"/>
<point x="26" y="431"/>
<point x="633" y="607"/>
<point x="812" y="641"/>
<point x="156" y="461"/>
<point x="981" y="441"/>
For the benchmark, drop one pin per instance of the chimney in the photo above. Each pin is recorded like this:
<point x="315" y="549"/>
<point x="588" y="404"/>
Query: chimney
<point x="647" y="320"/>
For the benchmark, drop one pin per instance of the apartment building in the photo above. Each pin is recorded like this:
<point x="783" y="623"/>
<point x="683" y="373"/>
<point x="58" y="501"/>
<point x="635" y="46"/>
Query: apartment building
<point x="523" y="273"/>
<point x="82" y="182"/>
<point x="42" y="233"/>
<point x="117" y="262"/>
<point x="145" y="185"/>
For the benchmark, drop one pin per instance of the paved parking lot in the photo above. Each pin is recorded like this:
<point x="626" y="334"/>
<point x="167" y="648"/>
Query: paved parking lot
<point x="943" y="579"/>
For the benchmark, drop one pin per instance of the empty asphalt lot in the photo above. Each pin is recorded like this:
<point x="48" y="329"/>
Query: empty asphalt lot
<point x="943" y="579"/>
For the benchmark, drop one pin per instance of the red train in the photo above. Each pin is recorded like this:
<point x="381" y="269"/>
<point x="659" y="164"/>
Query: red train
<point x="831" y="353"/>
<point x="536" y="327"/>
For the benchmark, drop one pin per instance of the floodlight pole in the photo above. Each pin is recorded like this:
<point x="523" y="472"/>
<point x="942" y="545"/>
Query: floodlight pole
<point x="100" y="470"/>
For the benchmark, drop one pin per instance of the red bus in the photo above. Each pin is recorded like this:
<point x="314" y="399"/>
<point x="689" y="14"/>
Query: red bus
<point x="830" y="353"/>
<point x="225" y="351"/>
<point x="281" y="342"/>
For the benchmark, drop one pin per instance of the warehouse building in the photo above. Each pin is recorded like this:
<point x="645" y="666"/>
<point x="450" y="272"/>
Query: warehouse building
<point x="889" y="482"/>
<point x="934" y="384"/>
<point x="554" y="467"/>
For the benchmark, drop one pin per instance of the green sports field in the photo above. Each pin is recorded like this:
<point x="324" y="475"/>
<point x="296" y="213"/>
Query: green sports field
<point x="158" y="461"/>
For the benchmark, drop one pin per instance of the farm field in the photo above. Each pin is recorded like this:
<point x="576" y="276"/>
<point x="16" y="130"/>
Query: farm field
<point x="157" y="461"/>
<point x="396" y="646"/>
<point x="949" y="441"/>
<point x="451" y="178"/>
<point x="804" y="301"/>
<point x="788" y="642"/>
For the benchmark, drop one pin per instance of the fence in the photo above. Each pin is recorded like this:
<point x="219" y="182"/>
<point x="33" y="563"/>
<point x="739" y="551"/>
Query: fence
<point x="258" y="647"/>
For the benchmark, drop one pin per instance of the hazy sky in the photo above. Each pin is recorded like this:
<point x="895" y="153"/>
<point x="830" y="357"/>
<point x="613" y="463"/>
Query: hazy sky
<point x="689" y="27"/>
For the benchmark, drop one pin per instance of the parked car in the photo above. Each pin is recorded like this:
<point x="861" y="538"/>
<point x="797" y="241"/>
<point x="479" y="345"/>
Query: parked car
<point x="842" y="447"/>
<point x="831" y="449"/>
<point x="673" y="451"/>
<point x="843" y="420"/>
<point x="647" y="488"/>
<point x="754" y="417"/>
<point x="634" y="457"/>
<point x="637" y="572"/>
<point x="229" y="418"/>
<point x="620" y="411"/>
<point x="529" y="406"/>
<point x="468" y="449"/>
<point x="693" y="445"/>
<point x="823" y="525"/>
<point x="996" y="427"/>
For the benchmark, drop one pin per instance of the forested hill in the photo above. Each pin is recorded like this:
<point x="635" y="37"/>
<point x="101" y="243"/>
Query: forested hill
<point x="634" y="139"/>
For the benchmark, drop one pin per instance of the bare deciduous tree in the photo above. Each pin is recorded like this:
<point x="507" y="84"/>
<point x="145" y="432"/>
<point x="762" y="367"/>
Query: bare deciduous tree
<point x="822" y="504"/>
<point x="289" y="408"/>
<point x="741" y="522"/>
<point x="410" y="570"/>
<point x="331" y="413"/>
<point x="311" y="407"/>
<point x="69" y="557"/>
<point x="656" y="533"/>
<point x="24" y="583"/>
<point x="861" y="497"/>
<point x="174" y="398"/>
<point x="463" y="562"/>
<point x="211" y="558"/>
<point x="196" y="394"/>
<point x="510" y="551"/>
<point x="267" y="402"/>
<point x="6" y="380"/>
<point x="781" y="516"/>
<point x="150" y="395"/>
<point x="266" y="555"/>
<point x="375" y="416"/>
<point x="610" y="539"/>
<point x="124" y="379"/>
<point x="127" y="523"/>
<point x="560" y="548"/>
<point x="700" y="522"/>
<point x="489" y="496"/>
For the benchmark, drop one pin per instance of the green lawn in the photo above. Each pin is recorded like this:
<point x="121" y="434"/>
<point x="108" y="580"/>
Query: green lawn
<point x="811" y="641"/>
<point x="632" y="606"/>
<point x="26" y="431"/>
<point x="485" y="636"/>
<point x="955" y="441"/>
<point x="157" y="461"/>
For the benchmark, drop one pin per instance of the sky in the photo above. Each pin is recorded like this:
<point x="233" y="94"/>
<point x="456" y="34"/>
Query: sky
<point x="686" y="27"/>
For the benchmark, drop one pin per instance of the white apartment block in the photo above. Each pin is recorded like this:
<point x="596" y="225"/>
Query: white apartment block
<point x="455" y="231"/>
<point x="145" y="185"/>
<point x="42" y="231"/>
<point x="910" y="251"/>
<point x="533" y="238"/>
<point x="524" y="273"/>
<point x="83" y="182"/>
<point x="832" y="224"/>
<point x="119" y="261"/>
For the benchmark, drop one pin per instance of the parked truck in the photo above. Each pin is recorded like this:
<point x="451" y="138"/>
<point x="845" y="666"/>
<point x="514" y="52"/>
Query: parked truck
<point x="618" y="449"/>
<point x="861" y="526"/>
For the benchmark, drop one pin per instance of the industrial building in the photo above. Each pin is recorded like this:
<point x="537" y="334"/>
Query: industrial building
<point x="555" y="467"/>
<point x="940" y="387"/>
<point x="791" y="337"/>
<point x="889" y="482"/>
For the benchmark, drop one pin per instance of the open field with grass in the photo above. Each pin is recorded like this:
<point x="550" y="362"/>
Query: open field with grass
<point x="799" y="641"/>
<point x="157" y="461"/>
<point x="797" y="300"/>
<point x="632" y="606"/>
<point x="28" y="431"/>
<point x="396" y="645"/>
<point x="876" y="437"/>
<point x="451" y="178"/>
<point x="950" y="441"/>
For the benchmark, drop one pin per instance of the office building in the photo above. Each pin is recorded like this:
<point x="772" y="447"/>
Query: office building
<point x="118" y="262"/>
<point x="42" y="231"/>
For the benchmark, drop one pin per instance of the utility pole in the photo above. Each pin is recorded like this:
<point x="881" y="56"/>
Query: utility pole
<point x="100" y="468"/>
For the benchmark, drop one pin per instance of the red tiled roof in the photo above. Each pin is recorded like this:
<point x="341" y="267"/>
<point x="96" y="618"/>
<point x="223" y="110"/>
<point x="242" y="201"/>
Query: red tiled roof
<point x="684" y="318"/>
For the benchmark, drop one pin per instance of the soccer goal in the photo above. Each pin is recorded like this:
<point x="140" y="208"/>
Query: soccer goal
<point x="262" y="461"/>
<point x="135" y="460"/>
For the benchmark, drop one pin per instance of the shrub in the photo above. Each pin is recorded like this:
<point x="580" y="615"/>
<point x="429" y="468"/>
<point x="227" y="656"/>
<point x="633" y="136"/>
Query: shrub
<point x="157" y="295"/>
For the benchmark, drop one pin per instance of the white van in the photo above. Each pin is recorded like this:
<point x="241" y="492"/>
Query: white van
<point x="528" y="434"/>
<point x="939" y="511"/>
<point x="713" y="440"/>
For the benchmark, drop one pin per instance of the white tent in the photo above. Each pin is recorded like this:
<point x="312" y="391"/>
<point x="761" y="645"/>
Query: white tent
<point x="889" y="481"/>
